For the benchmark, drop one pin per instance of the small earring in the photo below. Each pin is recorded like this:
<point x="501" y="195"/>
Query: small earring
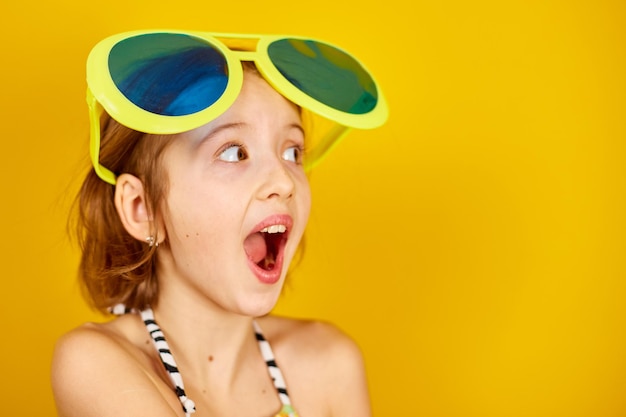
<point x="151" y="242"/>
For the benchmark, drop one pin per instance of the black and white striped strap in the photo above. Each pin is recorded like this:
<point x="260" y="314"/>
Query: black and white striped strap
<point x="168" y="360"/>
<point x="272" y="367"/>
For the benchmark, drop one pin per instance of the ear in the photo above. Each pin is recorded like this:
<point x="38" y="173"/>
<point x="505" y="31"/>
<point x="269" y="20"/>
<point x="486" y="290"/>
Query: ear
<point x="134" y="209"/>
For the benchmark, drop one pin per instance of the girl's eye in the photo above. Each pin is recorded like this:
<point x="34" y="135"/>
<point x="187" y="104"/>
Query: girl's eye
<point x="293" y="154"/>
<point x="233" y="153"/>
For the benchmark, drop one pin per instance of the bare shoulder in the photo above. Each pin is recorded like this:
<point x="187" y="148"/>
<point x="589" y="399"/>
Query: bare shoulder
<point x="322" y="365"/>
<point x="305" y="333"/>
<point x="85" y="347"/>
<point x="98" y="370"/>
<point x="93" y="344"/>
<point x="81" y="340"/>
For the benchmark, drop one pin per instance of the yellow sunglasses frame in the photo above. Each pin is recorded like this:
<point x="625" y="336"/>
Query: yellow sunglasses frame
<point x="103" y="94"/>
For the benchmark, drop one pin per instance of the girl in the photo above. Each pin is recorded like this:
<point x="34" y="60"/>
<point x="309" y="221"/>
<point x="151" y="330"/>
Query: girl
<point x="189" y="220"/>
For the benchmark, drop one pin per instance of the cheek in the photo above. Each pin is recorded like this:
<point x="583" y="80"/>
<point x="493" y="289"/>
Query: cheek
<point x="202" y="213"/>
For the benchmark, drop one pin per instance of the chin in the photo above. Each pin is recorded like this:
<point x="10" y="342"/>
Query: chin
<point x="259" y="305"/>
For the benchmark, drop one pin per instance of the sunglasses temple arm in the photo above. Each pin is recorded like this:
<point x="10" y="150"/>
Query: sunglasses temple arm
<point x="95" y="111"/>
<point x="328" y="142"/>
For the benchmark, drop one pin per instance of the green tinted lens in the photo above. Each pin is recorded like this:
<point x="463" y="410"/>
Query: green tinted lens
<point x="168" y="73"/>
<point x="325" y="73"/>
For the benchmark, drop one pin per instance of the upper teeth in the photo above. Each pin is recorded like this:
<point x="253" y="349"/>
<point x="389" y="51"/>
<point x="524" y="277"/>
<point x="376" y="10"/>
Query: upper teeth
<point x="275" y="228"/>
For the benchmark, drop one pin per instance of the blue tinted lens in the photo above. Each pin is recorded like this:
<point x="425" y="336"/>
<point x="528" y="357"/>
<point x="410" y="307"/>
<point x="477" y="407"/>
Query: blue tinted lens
<point x="167" y="73"/>
<point x="325" y="73"/>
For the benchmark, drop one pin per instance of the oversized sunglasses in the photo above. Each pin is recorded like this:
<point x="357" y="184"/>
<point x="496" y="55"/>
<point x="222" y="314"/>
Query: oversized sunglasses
<point x="165" y="82"/>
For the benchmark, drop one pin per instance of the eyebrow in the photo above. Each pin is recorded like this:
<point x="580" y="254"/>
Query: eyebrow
<point x="214" y="131"/>
<point x="296" y="126"/>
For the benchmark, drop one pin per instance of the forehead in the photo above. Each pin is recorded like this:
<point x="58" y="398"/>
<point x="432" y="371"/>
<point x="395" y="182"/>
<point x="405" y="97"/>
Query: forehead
<point x="258" y="99"/>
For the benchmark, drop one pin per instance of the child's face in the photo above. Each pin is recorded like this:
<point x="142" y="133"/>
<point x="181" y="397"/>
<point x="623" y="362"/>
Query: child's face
<point x="230" y="182"/>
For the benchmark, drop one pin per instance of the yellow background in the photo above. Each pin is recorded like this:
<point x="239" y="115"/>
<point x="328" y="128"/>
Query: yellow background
<point x="474" y="246"/>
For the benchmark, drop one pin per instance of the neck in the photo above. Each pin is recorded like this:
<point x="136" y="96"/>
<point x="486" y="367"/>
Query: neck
<point x="207" y="343"/>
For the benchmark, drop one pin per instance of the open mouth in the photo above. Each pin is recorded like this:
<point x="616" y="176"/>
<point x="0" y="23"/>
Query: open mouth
<point x="265" y="246"/>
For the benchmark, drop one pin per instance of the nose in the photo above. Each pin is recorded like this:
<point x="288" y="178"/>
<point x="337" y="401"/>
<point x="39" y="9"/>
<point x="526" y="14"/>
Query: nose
<point x="276" y="180"/>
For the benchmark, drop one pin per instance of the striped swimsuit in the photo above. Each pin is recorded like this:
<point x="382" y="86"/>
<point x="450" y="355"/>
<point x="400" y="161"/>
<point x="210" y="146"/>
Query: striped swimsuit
<point x="170" y="365"/>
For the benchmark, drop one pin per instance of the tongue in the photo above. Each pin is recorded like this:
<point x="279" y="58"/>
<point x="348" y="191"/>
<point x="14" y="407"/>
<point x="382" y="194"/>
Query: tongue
<point x="255" y="247"/>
